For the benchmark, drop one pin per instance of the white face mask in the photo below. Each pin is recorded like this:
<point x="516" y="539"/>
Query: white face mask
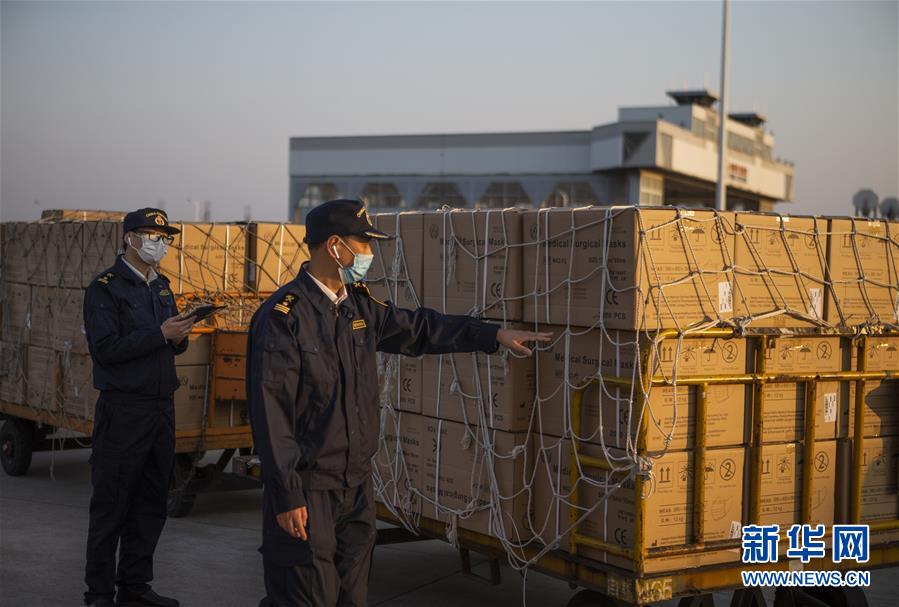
<point x="149" y="251"/>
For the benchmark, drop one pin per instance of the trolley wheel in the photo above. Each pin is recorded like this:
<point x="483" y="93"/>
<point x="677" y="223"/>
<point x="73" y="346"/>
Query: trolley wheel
<point x="16" y="446"/>
<point x="180" y="500"/>
<point x="820" y="597"/>
<point x="591" y="598"/>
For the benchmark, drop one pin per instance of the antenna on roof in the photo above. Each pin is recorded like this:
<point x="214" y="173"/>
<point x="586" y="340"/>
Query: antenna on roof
<point x="865" y="203"/>
<point x="889" y="208"/>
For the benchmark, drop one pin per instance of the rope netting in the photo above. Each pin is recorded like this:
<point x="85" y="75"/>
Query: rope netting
<point x="48" y="264"/>
<point x="609" y="283"/>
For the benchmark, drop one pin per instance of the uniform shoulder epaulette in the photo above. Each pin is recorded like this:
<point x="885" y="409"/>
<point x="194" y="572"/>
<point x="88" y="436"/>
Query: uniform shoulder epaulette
<point x="104" y="278"/>
<point x="362" y="288"/>
<point x="286" y="303"/>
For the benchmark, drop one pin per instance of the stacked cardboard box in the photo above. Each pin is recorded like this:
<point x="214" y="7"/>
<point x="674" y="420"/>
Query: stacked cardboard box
<point x="863" y="271"/>
<point x="229" y="365"/>
<point x="780" y="270"/>
<point x="630" y="269"/>
<point x="47" y="265"/>
<point x="275" y="252"/>
<point x="605" y="282"/>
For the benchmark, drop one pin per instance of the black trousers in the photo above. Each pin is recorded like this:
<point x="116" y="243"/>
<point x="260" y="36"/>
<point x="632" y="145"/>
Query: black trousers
<point x="131" y="468"/>
<point x="342" y="531"/>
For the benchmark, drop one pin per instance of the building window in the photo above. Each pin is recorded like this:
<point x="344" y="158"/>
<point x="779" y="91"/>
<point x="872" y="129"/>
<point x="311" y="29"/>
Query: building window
<point x="380" y="195"/>
<point x="571" y="194"/>
<point x="504" y="194"/>
<point x="435" y="195"/>
<point x="652" y="189"/>
<point x="317" y="193"/>
<point x="741" y="144"/>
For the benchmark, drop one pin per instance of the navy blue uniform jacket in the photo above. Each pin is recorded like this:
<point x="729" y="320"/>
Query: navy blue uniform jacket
<point x="122" y="320"/>
<point x="312" y="385"/>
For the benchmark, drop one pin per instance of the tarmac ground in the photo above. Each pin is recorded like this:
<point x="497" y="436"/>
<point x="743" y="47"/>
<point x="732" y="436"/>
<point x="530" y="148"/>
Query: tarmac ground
<point x="210" y="557"/>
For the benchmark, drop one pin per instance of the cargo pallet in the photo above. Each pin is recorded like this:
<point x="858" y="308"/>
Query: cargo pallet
<point x="26" y="429"/>
<point x="605" y="585"/>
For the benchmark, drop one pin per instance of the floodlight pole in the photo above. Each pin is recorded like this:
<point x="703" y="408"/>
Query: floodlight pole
<point x="721" y="191"/>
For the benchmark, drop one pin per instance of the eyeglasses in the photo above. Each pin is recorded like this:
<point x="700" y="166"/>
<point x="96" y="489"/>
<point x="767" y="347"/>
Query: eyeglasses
<point x="156" y="237"/>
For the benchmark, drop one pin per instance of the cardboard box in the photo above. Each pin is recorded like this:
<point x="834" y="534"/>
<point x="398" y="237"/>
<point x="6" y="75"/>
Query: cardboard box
<point x="230" y="366"/>
<point x="880" y="479"/>
<point x="199" y="350"/>
<point x="101" y="242"/>
<point x="396" y="272"/>
<point x="57" y="319"/>
<point x="226" y="389"/>
<point x="784" y="410"/>
<point x="590" y="265"/>
<point x="24" y="251"/>
<point x="472" y="261"/>
<point x="12" y="372"/>
<point x="81" y="215"/>
<point x="79" y="397"/>
<point x="398" y="469"/>
<point x="462" y="480"/>
<point x="275" y="252"/>
<point x="779" y="265"/>
<point x="401" y="381"/>
<point x="862" y="269"/>
<point x="668" y="508"/>
<point x="67" y="320"/>
<point x="781" y="490"/>
<point x="207" y="257"/>
<point x="879" y="404"/>
<point x="66" y="241"/>
<point x="190" y="397"/>
<point x="41" y="319"/>
<point x="881" y="409"/>
<point x="616" y="353"/>
<point x="42" y="387"/>
<point x="16" y="317"/>
<point x="465" y="387"/>
<point x="231" y="342"/>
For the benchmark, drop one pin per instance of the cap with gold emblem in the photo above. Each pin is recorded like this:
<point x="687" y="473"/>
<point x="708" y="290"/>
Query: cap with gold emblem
<point x="340" y="217"/>
<point x="148" y="218"/>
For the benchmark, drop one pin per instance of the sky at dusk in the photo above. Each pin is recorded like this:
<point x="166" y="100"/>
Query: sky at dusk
<point x="122" y="105"/>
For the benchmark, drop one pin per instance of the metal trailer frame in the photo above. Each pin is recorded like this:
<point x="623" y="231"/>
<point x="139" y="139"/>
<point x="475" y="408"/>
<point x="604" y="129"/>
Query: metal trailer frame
<point x="608" y="585"/>
<point x="188" y="478"/>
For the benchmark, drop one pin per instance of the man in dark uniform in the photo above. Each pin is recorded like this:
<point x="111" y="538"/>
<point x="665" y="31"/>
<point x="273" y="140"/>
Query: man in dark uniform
<point x="312" y="385"/>
<point x="134" y="333"/>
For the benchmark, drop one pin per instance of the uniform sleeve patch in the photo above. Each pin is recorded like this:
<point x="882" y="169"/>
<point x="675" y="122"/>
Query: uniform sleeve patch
<point x="286" y="303"/>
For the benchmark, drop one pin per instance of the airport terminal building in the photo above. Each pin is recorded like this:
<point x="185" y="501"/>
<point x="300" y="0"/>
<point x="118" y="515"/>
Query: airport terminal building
<point x="651" y="156"/>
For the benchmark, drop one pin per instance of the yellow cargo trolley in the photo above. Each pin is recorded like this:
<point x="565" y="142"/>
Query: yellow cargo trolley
<point x="27" y="429"/>
<point x="605" y="585"/>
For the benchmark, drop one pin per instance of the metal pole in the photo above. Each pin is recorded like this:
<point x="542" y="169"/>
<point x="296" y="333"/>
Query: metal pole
<point x="721" y="192"/>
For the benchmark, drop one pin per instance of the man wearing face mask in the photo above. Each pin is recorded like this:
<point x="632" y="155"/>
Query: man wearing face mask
<point x="134" y="333"/>
<point x="312" y="386"/>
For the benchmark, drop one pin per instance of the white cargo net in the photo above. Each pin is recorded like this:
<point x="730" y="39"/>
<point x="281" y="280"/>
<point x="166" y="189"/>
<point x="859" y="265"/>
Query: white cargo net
<point x="763" y="291"/>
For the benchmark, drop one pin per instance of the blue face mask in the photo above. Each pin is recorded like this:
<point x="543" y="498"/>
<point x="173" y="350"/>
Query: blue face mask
<point x="357" y="271"/>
